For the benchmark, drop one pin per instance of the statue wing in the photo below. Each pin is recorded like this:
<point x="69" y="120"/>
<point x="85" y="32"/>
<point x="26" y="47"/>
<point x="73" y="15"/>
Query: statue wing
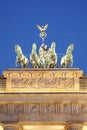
<point x="39" y="27"/>
<point x="45" y="27"/>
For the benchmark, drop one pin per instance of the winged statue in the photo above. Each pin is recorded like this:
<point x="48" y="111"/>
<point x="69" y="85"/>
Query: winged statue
<point x="42" y="28"/>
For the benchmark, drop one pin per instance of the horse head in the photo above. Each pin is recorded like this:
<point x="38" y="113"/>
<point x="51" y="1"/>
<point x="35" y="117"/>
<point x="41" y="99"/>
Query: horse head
<point x="34" y="48"/>
<point x="18" y="49"/>
<point x="71" y="47"/>
<point x="53" y="45"/>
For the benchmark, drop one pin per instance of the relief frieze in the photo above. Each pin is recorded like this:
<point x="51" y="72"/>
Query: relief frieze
<point x="43" y="108"/>
<point x="42" y="111"/>
<point x="44" y="82"/>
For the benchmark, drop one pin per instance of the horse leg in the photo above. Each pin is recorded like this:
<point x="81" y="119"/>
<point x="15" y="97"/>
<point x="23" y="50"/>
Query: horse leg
<point x="63" y="65"/>
<point x="67" y="65"/>
<point x="16" y="63"/>
<point x="71" y="63"/>
<point x="26" y="62"/>
<point x="25" y="66"/>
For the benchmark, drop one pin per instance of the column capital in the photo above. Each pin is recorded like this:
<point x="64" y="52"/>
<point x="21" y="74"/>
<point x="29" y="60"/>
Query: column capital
<point x="74" y="127"/>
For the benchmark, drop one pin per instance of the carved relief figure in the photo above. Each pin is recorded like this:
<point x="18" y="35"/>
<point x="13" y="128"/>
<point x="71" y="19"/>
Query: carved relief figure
<point x="34" y="108"/>
<point x="48" y="108"/>
<point x="19" y="108"/>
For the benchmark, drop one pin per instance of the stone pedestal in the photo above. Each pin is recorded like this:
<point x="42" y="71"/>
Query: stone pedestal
<point x="42" y="80"/>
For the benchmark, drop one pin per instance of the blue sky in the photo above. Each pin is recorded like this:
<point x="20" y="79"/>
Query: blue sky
<point x="67" y="21"/>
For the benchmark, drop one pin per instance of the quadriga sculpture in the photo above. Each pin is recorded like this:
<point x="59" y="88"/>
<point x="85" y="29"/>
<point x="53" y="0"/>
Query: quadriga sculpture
<point x="68" y="57"/>
<point x="34" y="59"/>
<point x="47" y="58"/>
<point x="21" y="58"/>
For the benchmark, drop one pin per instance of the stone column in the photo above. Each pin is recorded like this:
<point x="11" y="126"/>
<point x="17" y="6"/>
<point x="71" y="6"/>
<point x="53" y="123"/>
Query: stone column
<point x="74" y="127"/>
